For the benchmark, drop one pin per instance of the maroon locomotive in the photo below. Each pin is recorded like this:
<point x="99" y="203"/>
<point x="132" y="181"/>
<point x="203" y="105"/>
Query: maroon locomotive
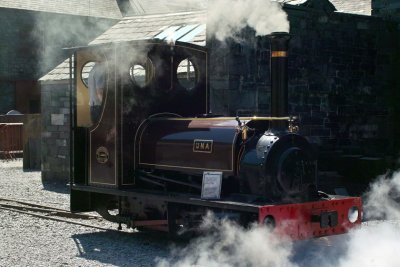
<point x="160" y="160"/>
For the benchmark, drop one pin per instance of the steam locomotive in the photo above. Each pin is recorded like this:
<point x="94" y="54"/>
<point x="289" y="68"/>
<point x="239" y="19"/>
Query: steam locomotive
<point x="157" y="159"/>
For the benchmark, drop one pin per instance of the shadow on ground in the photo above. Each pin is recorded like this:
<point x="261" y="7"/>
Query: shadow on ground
<point x="57" y="187"/>
<point x="325" y="251"/>
<point x="142" y="249"/>
<point x="122" y="248"/>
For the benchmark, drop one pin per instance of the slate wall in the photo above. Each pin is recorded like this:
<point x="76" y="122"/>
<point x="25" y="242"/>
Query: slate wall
<point x="389" y="9"/>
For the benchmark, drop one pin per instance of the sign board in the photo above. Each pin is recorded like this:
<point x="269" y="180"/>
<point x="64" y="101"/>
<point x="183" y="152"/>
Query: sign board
<point x="211" y="186"/>
<point x="57" y="119"/>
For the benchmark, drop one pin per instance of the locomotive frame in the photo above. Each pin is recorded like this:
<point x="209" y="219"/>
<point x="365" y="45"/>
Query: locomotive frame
<point x="129" y="160"/>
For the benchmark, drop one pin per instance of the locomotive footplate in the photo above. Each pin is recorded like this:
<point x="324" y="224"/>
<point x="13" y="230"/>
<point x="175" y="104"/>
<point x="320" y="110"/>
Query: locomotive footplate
<point x="297" y="221"/>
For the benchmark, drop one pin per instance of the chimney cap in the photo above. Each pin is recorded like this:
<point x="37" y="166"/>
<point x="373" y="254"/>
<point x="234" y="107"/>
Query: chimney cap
<point x="274" y="35"/>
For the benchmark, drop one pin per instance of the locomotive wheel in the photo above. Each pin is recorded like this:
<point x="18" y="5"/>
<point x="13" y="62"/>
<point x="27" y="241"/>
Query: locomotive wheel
<point x="107" y="207"/>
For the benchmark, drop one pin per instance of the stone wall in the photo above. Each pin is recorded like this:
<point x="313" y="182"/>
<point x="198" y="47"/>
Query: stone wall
<point x="55" y="132"/>
<point x="340" y="75"/>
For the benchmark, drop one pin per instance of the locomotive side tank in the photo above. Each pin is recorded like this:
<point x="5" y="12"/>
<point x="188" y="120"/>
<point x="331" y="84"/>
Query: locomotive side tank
<point x="189" y="145"/>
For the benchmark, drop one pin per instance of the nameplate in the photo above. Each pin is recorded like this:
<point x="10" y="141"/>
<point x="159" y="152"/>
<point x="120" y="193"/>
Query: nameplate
<point x="202" y="146"/>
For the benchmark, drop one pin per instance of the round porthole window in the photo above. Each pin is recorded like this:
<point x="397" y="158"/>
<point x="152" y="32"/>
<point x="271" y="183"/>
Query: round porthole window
<point x="87" y="67"/>
<point x="186" y="74"/>
<point x="141" y="74"/>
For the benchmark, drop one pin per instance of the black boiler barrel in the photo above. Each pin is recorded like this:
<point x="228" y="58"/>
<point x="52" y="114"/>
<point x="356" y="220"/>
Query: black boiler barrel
<point x="279" y="73"/>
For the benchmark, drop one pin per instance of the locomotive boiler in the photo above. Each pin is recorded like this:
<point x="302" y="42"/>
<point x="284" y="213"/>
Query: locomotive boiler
<point x="252" y="157"/>
<point x="160" y="160"/>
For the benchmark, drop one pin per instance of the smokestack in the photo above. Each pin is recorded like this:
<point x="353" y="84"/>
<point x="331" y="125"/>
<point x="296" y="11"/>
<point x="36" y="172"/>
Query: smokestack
<point x="279" y="77"/>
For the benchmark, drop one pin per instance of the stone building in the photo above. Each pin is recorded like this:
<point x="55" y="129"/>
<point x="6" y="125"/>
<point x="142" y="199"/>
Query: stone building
<point x="342" y="85"/>
<point x="32" y="35"/>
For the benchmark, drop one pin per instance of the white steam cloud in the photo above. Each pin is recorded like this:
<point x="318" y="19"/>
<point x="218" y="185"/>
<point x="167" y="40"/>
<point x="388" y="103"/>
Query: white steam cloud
<point x="231" y="245"/>
<point x="375" y="243"/>
<point x="383" y="200"/>
<point x="226" y="18"/>
<point x="54" y="32"/>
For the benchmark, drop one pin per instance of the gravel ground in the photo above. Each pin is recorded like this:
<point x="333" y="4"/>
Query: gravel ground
<point x="27" y="186"/>
<point x="30" y="241"/>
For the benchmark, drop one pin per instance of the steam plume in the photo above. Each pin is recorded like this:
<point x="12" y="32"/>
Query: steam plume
<point x="383" y="200"/>
<point x="226" y="17"/>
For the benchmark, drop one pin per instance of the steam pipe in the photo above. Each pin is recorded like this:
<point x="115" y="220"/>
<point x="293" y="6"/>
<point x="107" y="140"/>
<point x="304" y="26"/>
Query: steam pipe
<point x="279" y="76"/>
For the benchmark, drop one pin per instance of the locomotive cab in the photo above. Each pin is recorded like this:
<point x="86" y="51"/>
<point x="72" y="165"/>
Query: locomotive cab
<point x="141" y="78"/>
